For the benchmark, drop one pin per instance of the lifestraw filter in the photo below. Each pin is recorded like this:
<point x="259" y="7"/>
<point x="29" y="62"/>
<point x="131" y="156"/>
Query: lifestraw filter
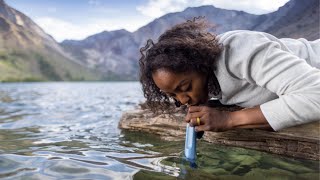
<point x="190" y="144"/>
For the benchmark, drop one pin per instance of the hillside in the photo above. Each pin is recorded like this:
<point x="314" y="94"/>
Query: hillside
<point x="27" y="53"/>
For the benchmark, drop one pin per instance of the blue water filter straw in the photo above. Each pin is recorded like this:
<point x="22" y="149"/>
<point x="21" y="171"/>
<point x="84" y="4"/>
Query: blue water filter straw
<point x="190" y="144"/>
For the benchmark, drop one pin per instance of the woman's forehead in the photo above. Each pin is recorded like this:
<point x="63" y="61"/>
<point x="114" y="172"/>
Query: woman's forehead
<point x="167" y="80"/>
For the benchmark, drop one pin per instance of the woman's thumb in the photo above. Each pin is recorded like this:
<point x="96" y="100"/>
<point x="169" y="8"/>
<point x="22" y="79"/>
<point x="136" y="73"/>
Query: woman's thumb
<point x="200" y="128"/>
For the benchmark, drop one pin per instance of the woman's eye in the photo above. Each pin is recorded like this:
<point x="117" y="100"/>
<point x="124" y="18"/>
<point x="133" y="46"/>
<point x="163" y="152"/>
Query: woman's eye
<point x="188" y="87"/>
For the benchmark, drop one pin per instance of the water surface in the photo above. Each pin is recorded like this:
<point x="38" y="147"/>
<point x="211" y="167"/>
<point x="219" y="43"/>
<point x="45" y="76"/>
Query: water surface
<point x="70" y="131"/>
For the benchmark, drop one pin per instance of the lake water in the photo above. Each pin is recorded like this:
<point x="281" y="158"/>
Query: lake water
<point x="70" y="131"/>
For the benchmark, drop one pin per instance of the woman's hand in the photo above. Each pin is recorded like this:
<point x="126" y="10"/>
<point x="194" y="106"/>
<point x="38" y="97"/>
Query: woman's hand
<point x="210" y="119"/>
<point x="214" y="120"/>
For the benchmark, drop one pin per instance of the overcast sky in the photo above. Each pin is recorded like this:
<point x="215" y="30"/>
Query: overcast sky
<point x="77" y="19"/>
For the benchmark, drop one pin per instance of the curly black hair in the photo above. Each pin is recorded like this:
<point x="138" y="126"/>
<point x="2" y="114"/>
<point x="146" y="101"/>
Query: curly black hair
<point x="183" y="48"/>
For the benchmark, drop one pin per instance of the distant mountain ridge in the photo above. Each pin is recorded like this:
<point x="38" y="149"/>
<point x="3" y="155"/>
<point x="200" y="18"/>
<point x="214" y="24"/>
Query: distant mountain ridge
<point x="299" y="19"/>
<point x="27" y="53"/>
<point x="117" y="52"/>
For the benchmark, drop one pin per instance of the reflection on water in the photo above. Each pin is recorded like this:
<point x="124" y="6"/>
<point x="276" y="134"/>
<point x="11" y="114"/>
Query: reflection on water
<point x="221" y="162"/>
<point x="69" y="131"/>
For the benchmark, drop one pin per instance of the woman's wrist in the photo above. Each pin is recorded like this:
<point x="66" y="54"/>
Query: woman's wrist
<point x="236" y="119"/>
<point x="248" y="118"/>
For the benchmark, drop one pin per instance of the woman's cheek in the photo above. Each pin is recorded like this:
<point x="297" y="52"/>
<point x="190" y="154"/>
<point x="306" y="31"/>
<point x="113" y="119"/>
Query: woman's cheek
<point x="196" y="98"/>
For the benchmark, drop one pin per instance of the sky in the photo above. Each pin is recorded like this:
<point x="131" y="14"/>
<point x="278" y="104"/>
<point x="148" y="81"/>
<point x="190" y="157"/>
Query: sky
<point x="78" y="19"/>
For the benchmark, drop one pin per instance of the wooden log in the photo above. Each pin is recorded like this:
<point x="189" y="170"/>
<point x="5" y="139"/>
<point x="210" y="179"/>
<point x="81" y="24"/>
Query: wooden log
<point x="300" y="141"/>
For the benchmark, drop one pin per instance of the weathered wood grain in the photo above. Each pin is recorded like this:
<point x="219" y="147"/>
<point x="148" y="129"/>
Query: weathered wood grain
<point x="300" y="141"/>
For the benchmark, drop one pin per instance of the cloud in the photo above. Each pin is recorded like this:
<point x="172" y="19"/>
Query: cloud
<point x="59" y="29"/>
<point x="157" y="8"/>
<point x="62" y="30"/>
<point x="94" y="2"/>
<point x="250" y="6"/>
<point x="52" y="10"/>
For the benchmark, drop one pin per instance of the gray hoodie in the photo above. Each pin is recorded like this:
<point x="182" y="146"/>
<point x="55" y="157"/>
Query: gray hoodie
<point x="281" y="76"/>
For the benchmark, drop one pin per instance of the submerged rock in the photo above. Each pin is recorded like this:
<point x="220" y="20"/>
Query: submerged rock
<point x="273" y="173"/>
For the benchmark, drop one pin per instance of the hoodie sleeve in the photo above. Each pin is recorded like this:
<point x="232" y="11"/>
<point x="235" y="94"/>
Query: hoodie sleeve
<point x="271" y="65"/>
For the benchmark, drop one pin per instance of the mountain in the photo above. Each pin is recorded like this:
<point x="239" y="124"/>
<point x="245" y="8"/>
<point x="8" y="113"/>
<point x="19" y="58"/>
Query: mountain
<point x="117" y="52"/>
<point x="106" y="52"/>
<point x="27" y="53"/>
<point x="296" y="19"/>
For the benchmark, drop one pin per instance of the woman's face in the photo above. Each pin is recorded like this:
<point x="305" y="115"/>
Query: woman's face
<point x="188" y="88"/>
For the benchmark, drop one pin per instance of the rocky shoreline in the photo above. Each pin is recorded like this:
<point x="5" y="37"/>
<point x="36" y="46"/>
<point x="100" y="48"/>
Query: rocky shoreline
<point x="299" y="142"/>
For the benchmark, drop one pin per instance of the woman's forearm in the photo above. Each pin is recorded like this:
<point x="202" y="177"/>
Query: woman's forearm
<point x="249" y="118"/>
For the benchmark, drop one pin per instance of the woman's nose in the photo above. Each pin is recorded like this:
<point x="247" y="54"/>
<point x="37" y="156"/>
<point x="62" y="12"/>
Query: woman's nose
<point x="183" y="98"/>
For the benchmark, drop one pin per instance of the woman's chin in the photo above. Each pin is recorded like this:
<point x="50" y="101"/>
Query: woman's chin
<point x="202" y="102"/>
<point x="199" y="102"/>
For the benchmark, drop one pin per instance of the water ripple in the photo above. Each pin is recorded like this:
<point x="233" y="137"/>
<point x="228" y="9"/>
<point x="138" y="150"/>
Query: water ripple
<point x="70" y="131"/>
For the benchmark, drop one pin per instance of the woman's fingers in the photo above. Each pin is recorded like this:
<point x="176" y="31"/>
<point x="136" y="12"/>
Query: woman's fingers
<point x="201" y="128"/>
<point x="195" y="109"/>
<point x="194" y="122"/>
<point x="194" y="115"/>
<point x="210" y="119"/>
<point x="194" y="112"/>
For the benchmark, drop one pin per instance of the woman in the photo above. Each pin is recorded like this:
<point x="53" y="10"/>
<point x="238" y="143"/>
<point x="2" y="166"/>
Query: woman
<point x="277" y="81"/>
